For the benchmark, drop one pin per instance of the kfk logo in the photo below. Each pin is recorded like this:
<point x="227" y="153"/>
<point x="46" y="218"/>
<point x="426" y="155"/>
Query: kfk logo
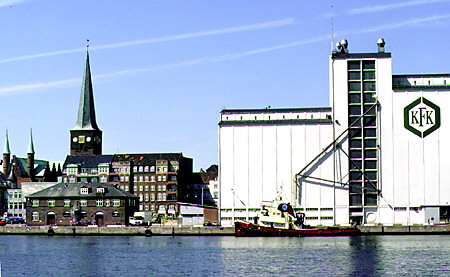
<point x="422" y="117"/>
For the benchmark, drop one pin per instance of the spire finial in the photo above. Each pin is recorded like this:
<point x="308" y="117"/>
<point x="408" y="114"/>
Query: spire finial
<point x="31" y="145"/>
<point x="87" y="43"/>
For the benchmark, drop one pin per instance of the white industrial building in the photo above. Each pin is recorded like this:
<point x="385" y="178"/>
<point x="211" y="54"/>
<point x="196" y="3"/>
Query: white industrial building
<point x="376" y="156"/>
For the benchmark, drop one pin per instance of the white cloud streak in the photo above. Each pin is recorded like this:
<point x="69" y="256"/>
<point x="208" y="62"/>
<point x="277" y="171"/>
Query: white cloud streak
<point x="223" y="58"/>
<point x="246" y="28"/>
<point x="9" y="3"/>
<point x="381" y="8"/>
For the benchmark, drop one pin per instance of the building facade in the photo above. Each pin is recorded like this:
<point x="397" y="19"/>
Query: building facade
<point x="377" y="156"/>
<point x="80" y="204"/>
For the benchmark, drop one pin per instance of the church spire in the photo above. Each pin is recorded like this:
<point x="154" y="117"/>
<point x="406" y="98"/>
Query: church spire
<point x="86" y="137"/>
<point x="86" y="109"/>
<point x="6" y="156"/>
<point x="30" y="144"/>
<point x="30" y="157"/>
<point x="6" y="150"/>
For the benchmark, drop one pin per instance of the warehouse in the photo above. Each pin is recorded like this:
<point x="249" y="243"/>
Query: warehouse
<point x="375" y="156"/>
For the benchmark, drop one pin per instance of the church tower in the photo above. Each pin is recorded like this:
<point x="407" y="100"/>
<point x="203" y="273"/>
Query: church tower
<point x="30" y="157"/>
<point x="86" y="137"/>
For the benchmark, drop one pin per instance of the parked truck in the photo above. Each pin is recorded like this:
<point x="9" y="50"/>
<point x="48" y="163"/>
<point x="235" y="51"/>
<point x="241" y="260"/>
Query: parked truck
<point x="141" y="218"/>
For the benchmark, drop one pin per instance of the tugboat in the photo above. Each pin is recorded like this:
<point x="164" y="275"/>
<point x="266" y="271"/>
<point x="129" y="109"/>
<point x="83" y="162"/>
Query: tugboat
<point x="279" y="220"/>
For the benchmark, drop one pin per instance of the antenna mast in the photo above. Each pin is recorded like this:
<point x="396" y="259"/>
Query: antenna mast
<point x="332" y="26"/>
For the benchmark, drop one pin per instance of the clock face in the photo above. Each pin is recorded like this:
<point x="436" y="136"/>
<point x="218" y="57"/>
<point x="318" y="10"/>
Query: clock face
<point x="75" y="139"/>
<point x="88" y="139"/>
<point x="97" y="139"/>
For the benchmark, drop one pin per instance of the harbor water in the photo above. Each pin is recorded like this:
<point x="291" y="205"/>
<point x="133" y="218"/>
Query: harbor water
<point x="412" y="255"/>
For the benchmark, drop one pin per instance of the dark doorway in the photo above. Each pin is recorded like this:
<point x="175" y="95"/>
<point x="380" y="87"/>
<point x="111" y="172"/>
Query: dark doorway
<point x="51" y="218"/>
<point x="99" y="219"/>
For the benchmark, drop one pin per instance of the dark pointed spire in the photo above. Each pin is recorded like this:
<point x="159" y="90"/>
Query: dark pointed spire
<point x="31" y="144"/>
<point x="86" y="109"/>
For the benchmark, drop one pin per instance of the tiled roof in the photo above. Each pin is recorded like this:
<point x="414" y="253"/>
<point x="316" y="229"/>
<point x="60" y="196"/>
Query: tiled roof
<point x="73" y="190"/>
<point x="88" y="161"/>
<point x="147" y="158"/>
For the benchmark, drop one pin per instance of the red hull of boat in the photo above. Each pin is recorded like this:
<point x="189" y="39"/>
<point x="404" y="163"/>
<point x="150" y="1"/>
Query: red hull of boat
<point x="245" y="229"/>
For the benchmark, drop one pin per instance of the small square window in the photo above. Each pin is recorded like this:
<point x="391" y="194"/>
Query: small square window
<point x="84" y="190"/>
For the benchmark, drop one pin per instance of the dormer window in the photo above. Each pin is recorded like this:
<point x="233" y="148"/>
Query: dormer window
<point x="84" y="190"/>
<point x="100" y="190"/>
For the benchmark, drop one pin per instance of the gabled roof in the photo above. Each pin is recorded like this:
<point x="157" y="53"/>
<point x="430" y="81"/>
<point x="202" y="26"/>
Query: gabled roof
<point x="21" y="165"/>
<point x="73" y="190"/>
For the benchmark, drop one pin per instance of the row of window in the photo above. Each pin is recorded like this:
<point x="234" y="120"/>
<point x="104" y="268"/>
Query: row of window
<point x="35" y="214"/>
<point x="83" y="202"/>
<point x="15" y="206"/>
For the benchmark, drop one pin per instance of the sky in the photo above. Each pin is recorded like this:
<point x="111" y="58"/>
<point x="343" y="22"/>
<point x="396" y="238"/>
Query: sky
<point x="163" y="70"/>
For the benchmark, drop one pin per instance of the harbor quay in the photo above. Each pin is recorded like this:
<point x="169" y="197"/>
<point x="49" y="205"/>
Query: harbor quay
<point x="196" y="231"/>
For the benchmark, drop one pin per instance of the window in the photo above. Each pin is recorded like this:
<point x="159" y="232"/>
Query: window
<point x="35" y="203"/>
<point x="163" y="188"/>
<point x="115" y="214"/>
<point x="84" y="190"/>
<point x="173" y="178"/>
<point x="141" y="178"/>
<point x="146" y="188"/>
<point x="152" y="168"/>
<point x="146" y="207"/>
<point x="141" y="169"/>
<point x="146" y="178"/>
<point x="146" y="197"/>
<point x="135" y="168"/>
<point x="83" y="202"/>
<point x="116" y="202"/>
<point x="107" y="202"/>
<point x="135" y="178"/>
<point x="66" y="214"/>
<point x="127" y="178"/>
<point x="153" y="178"/>
<point x="122" y="178"/>
<point x="164" y="178"/>
<point x="101" y="190"/>
<point x="99" y="202"/>
<point x="146" y="168"/>
<point x="141" y="197"/>
<point x="152" y="197"/>
<point x="103" y="179"/>
<point x="51" y="202"/>
<point x="152" y="187"/>
<point x="159" y="178"/>
<point x="35" y="216"/>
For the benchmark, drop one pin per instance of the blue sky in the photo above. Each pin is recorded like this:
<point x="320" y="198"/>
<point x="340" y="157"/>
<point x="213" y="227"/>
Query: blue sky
<point x="163" y="70"/>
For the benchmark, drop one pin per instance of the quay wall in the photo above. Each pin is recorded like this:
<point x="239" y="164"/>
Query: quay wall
<point x="116" y="230"/>
<point x="195" y="231"/>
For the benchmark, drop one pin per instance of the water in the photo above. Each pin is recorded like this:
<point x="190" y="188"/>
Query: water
<point x="225" y="256"/>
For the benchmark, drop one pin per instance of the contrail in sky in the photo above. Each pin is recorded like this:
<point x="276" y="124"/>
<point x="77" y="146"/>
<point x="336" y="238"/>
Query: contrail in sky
<point x="223" y="58"/>
<point x="380" y="8"/>
<point x="266" y="25"/>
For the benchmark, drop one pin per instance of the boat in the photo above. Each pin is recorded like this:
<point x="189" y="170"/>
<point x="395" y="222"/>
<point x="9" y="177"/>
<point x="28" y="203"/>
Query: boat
<point x="278" y="220"/>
